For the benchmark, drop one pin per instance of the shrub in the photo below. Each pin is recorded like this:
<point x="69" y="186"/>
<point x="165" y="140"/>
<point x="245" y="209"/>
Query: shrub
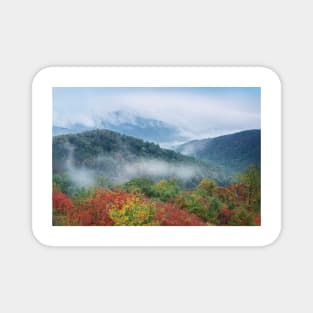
<point x="140" y="185"/>
<point x="206" y="187"/>
<point x="257" y="220"/>
<point x="99" y="205"/>
<point x="225" y="215"/>
<point x="206" y="208"/>
<point x="134" y="213"/>
<point x="61" y="203"/>
<point x="251" y="178"/>
<point x="93" y="210"/>
<point x="242" y="218"/>
<point x="171" y="215"/>
<point x="166" y="189"/>
<point x="64" y="184"/>
<point x="224" y="194"/>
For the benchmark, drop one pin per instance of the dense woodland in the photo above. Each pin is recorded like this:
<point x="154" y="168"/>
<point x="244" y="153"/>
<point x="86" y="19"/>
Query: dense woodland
<point x="206" y="195"/>
<point x="141" y="201"/>
<point x="105" y="153"/>
<point x="235" y="151"/>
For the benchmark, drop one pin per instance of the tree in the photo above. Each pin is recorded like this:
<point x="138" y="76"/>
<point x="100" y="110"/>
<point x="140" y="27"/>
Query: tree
<point x="251" y="178"/>
<point x="206" y="187"/>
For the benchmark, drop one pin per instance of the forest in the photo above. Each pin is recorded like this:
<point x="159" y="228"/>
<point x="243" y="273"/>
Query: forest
<point x="143" y="202"/>
<point x="104" y="178"/>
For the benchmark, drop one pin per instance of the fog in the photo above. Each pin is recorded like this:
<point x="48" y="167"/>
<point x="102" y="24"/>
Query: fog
<point x="196" y="112"/>
<point x="121" y="172"/>
<point x="80" y="176"/>
<point x="158" y="169"/>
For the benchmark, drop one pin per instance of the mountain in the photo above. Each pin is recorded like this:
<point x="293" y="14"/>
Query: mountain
<point x="129" y="124"/>
<point x="120" y="158"/>
<point x="235" y="151"/>
<point x="141" y="127"/>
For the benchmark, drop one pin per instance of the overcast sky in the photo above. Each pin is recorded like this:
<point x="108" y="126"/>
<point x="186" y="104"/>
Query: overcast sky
<point x="199" y="112"/>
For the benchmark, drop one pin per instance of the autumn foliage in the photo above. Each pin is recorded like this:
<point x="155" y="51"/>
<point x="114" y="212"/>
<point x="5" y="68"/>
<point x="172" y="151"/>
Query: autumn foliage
<point x="106" y="208"/>
<point x="61" y="202"/>
<point x="141" y="202"/>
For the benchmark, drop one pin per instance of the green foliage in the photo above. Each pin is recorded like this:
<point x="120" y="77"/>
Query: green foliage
<point x="242" y="218"/>
<point x="107" y="143"/>
<point x="83" y="193"/>
<point x="104" y="182"/>
<point x="206" y="187"/>
<point x="234" y="151"/>
<point x="67" y="186"/>
<point x="64" y="183"/>
<point x="134" y="213"/>
<point x="106" y="153"/>
<point x="252" y="179"/>
<point x="205" y="207"/>
<point x="140" y="185"/>
<point x="206" y="195"/>
<point x="166" y="189"/>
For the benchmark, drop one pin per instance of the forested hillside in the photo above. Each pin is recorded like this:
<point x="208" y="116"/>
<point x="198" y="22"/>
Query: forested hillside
<point x="235" y="151"/>
<point x="120" y="158"/>
<point x="103" y="178"/>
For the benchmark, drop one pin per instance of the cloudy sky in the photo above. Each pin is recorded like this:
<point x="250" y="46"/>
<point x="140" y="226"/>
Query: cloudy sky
<point x="199" y="112"/>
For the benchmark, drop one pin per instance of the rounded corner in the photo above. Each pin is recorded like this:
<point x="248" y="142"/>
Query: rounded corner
<point x="38" y="239"/>
<point x="41" y="73"/>
<point x="273" y="74"/>
<point x="274" y="238"/>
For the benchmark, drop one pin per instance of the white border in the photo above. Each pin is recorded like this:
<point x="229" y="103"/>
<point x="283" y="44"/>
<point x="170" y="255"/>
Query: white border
<point x="262" y="77"/>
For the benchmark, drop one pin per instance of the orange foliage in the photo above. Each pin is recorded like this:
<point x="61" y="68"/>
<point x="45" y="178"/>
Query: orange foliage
<point x="225" y="215"/>
<point x="95" y="210"/>
<point x="107" y="207"/>
<point x="257" y="220"/>
<point x="61" y="202"/>
<point x="170" y="215"/>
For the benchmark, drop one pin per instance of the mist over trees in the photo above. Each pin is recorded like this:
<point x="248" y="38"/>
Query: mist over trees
<point x="103" y="178"/>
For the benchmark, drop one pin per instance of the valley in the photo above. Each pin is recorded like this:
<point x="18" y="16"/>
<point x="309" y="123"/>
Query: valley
<point x="103" y="177"/>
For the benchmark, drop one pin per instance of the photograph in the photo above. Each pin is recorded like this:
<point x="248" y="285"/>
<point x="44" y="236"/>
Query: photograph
<point x="156" y="156"/>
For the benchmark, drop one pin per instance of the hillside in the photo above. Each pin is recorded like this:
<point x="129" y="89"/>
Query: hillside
<point x="120" y="158"/>
<point x="235" y="151"/>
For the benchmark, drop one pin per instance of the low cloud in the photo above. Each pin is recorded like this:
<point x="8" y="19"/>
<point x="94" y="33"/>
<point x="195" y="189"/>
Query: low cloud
<point x="159" y="169"/>
<point x="121" y="172"/>
<point x="80" y="176"/>
<point x="197" y="113"/>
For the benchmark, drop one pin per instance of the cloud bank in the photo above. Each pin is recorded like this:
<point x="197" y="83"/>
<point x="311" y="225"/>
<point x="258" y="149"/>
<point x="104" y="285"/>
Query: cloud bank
<point x="197" y="112"/>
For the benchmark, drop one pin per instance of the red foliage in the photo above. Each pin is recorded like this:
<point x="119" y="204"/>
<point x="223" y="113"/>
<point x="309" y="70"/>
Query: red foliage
<point x="170" y="215"/>
<point x="94" y="210"/>
<point x="225" y="194"/>
<point x="225" y="215"/>
<point x="105" y="199"/>
<point x="61" y="202"/>
<point x="240" y="190"/>
<point x="257" y="220"/>
<point x="85" y="218"/>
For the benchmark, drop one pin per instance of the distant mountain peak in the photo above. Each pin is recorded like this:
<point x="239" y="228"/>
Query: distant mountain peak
<point x="129" y="123"/>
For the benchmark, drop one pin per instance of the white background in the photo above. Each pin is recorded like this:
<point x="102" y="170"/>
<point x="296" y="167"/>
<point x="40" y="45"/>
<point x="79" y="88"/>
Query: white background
<point x="35" y="34"/>
<point x="42" y="104"/>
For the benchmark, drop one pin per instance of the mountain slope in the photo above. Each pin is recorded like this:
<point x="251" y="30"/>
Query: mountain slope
<point x="120" y="158"/>
<point x="235" y="151"/>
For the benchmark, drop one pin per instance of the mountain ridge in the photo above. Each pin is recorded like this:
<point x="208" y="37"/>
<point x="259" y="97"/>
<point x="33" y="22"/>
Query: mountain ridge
<point x="127" y="123"/>
<point x="236" y="151"/>
<point x="121" y="157"/>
